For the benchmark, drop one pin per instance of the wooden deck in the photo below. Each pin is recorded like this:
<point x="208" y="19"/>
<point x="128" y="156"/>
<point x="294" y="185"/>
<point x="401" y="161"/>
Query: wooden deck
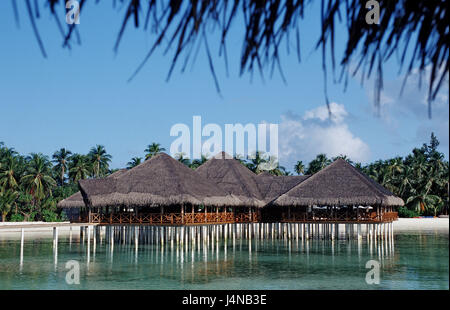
<point x="169" y="218"/>
<point x="43" y="225"/>
<point x="175" y="219"/>
<point x="322" y="217"/>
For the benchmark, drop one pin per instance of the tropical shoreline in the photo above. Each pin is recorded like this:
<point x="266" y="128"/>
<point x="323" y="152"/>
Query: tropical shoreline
<point x="422" y="224"/>
<point x="39" y="230"/>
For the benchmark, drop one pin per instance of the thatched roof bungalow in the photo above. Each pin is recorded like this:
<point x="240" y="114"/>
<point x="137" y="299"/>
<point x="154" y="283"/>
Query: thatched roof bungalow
<point x="158" y="181"/>
<point x="76" y="200"/>
<point x="233" y="177"/>
<point x="271" y="186"/>
<point x="338" y="184"/>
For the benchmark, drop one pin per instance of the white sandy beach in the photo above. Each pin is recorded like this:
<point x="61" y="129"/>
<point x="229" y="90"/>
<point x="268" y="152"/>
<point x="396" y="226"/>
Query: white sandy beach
<point x="38" y="230"/>
<point x="422" y="224"/>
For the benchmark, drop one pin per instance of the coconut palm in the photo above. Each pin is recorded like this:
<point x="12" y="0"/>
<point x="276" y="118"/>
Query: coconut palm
<point x="198" y="162"/>
<point x="344" y="157"/>
<point x="9" y="173"/>
<point x="280" y="170"/>
<point x="61" y="159"/>
<point x="135" y="161"/>
<point x="79" y="167"/>
<point x="317" y="164"/>
<point x="395" y="165"/>
<point x="424" y="202"/>
<point x="7" y="200"/>
<point x="37" y="179"/>
<point x="240" y="159"/>
<point x="182" y="159"/>
<point x="256" y="161"/>
<point x="100" y="160"/>
<point x="153" y="149"/>
<point x="6" y="152"/>
<point x="299" y="167"/>
<point x="406" y="181"/>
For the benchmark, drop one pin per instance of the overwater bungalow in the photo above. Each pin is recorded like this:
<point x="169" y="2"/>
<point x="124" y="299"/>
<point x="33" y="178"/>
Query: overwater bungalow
<point x="162" y="191"/>
<point x="272" y="187"/>
<point x="74" y="205"/>
<point x="337" y="193"/>
<point x="237" y="180"/>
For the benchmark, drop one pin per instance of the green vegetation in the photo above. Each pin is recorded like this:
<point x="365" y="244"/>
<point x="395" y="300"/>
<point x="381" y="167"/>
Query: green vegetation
<point x="421" y="179"/>
<point x="31" y="186"/>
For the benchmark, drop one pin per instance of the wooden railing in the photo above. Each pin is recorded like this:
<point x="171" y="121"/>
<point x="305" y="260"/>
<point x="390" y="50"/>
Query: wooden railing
<point x="390" y="216"/>
<point x="323" y="216"/>
<point x="222" y="217"/>
<point x="169" y="218"/>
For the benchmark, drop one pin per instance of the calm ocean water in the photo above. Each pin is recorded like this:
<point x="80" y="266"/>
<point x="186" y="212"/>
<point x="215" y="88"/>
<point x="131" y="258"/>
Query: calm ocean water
<point x="412" y="261"/>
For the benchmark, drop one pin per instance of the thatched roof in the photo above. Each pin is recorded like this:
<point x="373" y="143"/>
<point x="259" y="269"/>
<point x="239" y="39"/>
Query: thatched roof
<point x="158" y="181"/>
<point x="76" y="200"/>
<point x="338" y="184"/>
<point x="271" y="186"/>
<point x="233" y="177"/>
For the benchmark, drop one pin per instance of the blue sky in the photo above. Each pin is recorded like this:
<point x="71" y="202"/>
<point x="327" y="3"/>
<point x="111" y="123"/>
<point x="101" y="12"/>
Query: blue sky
<point x="80" y="97"/>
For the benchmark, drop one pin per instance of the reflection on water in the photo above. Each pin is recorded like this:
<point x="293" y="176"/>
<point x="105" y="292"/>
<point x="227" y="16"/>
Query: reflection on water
<point x="410" y="261"/>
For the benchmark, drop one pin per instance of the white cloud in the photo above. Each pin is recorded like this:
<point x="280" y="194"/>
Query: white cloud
<point x="303" y="137"/>
<point x="411" y="108"/>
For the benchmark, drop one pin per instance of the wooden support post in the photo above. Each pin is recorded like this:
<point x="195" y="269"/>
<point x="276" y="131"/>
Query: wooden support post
<point x="182" y="214"/>
<point x="55" y="236"/>
<point x="22" y="238"/>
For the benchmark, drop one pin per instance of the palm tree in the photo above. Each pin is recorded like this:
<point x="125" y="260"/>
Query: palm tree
<point x="135" y="161"/>
<point x="280" y="170"/>
<point x="271" y="164"/>
<point x="79" y="167"/>
<point x="255" y="163"/>
<point x="153" y="149"/>
<point x="61" y="159"/>
<point x="184" y="160"/>
<point x="9" y="173"/>
<point x="317" y="164"/>
<point x="7" y="200"/>
<point x="406" y="181"/>
<point x="27" y="208"/>
<point x="359" y="166"/>
<point x="344" y="157"/>
<point x="240" y="159"/>
<point x="299" y="167"/>
<point x="6" y="152"/>
<point x="198" y="162"/>
<point x="37" y="179"/>
<point x="395" y="165"/>
<point x="100" y="160"/>
<point x="424" y="202"/>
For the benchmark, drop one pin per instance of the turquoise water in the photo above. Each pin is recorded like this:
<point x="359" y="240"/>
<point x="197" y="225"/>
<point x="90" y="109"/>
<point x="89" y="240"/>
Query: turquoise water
<point x="412" y="261"/>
